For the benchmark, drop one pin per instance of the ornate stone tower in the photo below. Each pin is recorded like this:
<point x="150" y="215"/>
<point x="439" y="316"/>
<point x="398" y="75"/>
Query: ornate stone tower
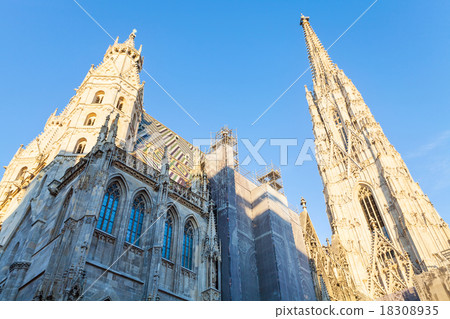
<point x="387" y="226"/>
<point x="110" y="89"/>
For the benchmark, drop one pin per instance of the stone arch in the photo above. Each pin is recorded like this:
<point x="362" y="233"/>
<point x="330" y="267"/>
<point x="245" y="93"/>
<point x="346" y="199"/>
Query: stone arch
<point x="191" y="217"/>
<point x="190" y="225"/>
<point x="121" y="180"/>
<point x="98" y="97"/>
<point x="21" y="173"/>
<point x="144" y="191"/>
<point x="90" y="119"/>
<point x="123" y="190"/>
<point x="172" y="219"/>
<point x="133" y="234"/>
<point x="80" y="146"/>
<point x="120" y="103"/>
<point x="366" y="202"/>
<point x="173" y="206"/>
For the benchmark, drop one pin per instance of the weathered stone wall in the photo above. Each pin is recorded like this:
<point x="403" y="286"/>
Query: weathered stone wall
<point x="409" y="294"/>
<point x="118" y="265"/>
<point x="434" y="285"/>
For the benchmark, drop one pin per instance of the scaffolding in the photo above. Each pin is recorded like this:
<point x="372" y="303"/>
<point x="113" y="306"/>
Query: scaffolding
<point x="226" y="136"/>
<point x="271" y="175"/>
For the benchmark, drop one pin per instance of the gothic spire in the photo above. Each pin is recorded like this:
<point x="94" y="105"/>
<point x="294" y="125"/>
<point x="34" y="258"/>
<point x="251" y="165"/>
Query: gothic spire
<point x="103" y="130"/>
<point x="197" y="173"/>
<point x="211" y="243"/>
<point x="131" y="37"/>
<point x="126" y="48"/>
<point x="319" y="60"/>
<point x="211" y="231"/>
<point x="197" y="169"/>
<point x="165" y="166"/>
<point x="303" y="203"/>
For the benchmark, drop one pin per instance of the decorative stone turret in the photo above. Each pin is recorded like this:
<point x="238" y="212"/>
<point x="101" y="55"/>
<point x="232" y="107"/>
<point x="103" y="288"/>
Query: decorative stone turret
<point x="211" y="255"/>
<point x="112" y="89"/>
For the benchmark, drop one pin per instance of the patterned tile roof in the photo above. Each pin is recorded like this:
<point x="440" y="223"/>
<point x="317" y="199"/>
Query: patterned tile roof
<point x="152" y="137"/>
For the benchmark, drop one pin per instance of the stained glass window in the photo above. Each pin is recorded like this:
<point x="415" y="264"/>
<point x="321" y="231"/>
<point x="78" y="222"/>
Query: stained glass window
<point x="136" y="218"/>
<point x="109" y="208"/>
<point x="188" y="245"/>
<point x="167" y="241"/>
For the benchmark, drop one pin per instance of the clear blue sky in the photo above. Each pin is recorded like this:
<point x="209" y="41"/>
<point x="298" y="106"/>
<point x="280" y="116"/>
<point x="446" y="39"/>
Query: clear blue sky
<point x="226" y="61"/>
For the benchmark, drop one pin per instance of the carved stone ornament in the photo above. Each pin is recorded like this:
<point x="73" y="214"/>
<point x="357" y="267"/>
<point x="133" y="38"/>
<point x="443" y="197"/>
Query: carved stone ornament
<point x="19" y="265"/>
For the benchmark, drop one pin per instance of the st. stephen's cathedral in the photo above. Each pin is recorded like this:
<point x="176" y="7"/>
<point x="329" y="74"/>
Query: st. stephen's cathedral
<point x="107" y="203"/>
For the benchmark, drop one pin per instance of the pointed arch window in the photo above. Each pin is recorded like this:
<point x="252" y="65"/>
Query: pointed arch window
<point x="167" y="240"/>
<point x="109" y="208"/>
<point x="338" y="122"/>
<point x="98" y="98"/>
<point x="136" y="219"/>
<point x="81" y="145"/>
<point x="188" y="245"/>
<point x="61" y="215"/>
<point x="120" y="103"/>
<point x="371" y="211"/>
<point x="90" y="119"/>
<point x="21" y="173"/>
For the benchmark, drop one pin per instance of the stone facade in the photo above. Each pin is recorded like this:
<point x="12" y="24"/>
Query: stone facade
<point x="109" y="204"/>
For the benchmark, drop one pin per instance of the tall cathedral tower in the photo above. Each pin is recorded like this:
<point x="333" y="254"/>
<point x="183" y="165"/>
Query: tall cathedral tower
<point x="387" y="226"/>
<point x="111" y="89"/>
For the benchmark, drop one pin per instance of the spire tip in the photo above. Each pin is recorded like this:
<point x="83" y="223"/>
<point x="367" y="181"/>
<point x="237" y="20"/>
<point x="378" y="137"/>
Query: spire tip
<point x="303" y="19"/>
<point x="303" y="203"/>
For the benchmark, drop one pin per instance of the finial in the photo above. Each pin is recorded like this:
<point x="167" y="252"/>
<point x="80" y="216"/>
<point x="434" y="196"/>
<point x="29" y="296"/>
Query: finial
<point x="303" y="18"/>
<point x="130" y="40"/>
<point x="165" y="158"/>
<point x="133" y="34"/>
<point x="104" y="130"/>
<point x="303" y="203"/>
<point x="165" y="166"/>
<point x="333" y="227"/>
<point x="373" y="223"/>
